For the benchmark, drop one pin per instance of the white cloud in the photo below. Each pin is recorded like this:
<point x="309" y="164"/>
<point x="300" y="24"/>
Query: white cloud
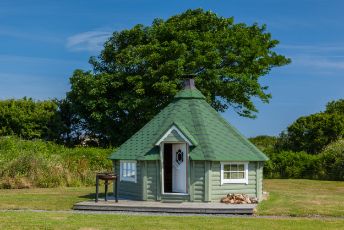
<point x="316" y="58"/>
<point x="32" y="36"/>
<point x="6" y="59"/>
<point x="334" y="50"/>
<point x="319" y="62"/>
<point x="88" y="41"/>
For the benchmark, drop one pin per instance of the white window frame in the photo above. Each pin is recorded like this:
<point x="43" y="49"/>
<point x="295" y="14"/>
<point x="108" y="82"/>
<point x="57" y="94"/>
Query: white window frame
<point x="234" y="181"/>
<point x="132" y="170"/>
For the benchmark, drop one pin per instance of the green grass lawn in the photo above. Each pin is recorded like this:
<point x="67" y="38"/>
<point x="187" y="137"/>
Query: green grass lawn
<point x="303" y="198"/>
<point x="287" y="198"/>
<point x="44" y="198"/>
<point x="54" y="220"/>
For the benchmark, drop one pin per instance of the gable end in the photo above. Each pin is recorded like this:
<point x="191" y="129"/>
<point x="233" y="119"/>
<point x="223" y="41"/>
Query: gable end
<point x="177" y="133"/>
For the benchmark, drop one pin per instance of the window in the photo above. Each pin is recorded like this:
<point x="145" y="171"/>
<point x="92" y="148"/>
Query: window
<point x="128" y="171"/>
<point x="234" y="172"/>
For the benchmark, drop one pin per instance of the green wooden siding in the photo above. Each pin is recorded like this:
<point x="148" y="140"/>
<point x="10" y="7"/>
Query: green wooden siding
<point x="148" y="182"/>
<point x="218" y="191"/>
<point x="151" y="180"/>
<point x="197" y="181"/>
<point x="259" y="180"/>
<point x="144" y="179"/>
<point x="130" y="190"/>
<point x="207" y="181"/>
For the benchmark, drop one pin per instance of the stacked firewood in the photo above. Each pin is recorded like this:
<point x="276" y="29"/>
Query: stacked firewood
<point x="239" y="199"/>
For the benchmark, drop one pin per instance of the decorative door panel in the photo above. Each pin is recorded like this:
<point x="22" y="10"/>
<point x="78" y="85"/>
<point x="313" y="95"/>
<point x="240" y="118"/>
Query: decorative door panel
<point x="179" y="168"/>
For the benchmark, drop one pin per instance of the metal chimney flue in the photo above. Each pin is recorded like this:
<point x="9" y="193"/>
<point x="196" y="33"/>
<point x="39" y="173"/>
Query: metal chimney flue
<point x="189" y="82"/>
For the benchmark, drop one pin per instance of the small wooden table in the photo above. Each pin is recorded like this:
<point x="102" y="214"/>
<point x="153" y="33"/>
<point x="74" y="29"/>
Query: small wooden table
<point x="107" y="178"/>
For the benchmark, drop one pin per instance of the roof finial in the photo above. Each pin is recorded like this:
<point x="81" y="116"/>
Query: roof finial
<point x="189" y="81"/>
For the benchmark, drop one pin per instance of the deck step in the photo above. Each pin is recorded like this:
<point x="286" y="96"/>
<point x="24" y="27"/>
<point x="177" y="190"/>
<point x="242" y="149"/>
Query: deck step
<point x="173" y="198"/>
<point x="162" y="207"/>
<point x="172" y="201"/>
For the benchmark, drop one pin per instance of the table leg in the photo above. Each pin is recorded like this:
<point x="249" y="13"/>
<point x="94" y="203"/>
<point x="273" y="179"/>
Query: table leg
<point x="97" y="188"/>
<point x="116" y="189"/>
<point x="106" y="189"/>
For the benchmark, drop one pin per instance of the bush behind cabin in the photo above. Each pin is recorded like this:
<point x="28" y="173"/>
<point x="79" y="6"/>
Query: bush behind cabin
<point x="37" y="163"/>
<point x="327" y="165"/>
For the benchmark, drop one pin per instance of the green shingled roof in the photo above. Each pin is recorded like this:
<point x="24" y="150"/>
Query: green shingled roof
<point x="212" y="137"/>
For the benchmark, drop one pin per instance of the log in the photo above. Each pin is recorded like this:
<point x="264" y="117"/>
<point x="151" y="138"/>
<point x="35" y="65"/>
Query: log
<point x="238" y="199"/>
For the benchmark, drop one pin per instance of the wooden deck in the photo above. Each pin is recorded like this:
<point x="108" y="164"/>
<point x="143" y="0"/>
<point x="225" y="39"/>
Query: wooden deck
<point x="152" y="206"/>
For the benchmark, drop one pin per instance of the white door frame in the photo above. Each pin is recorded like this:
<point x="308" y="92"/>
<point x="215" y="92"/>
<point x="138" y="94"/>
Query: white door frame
<point x="162" y="168"/>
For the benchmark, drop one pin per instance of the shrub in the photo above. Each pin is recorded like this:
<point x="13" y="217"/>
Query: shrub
<point x="288" y="164"/>
<point x="328" y="165"/>
<point x="332" y="161"/>
<point x="38" y="163"/>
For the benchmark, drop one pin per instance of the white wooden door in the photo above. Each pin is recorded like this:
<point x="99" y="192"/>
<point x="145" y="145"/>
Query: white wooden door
<point x="179" y="168"/>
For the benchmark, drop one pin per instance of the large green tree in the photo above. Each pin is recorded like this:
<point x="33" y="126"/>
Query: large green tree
<point x="313" y="132"/>
<point x="140" y="70"/>
<point x="264" y="143"/>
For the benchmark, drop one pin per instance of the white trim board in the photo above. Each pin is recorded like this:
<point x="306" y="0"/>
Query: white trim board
<point x="173" y="127"/>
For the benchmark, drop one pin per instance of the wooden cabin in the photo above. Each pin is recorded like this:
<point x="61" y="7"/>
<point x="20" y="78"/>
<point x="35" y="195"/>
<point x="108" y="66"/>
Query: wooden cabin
<point x="188" y="152"/>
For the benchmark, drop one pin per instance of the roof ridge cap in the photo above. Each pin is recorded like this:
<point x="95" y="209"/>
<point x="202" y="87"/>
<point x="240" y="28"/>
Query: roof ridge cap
<point x="189" y="93"/>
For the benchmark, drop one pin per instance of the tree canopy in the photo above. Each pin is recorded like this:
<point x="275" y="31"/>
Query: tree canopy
<point x="30" y="119"/>
<point x="140" y="70"/>
<point x="313" y="132"/>
<point x="264" y="143"/>
<point x="335" y="107"/>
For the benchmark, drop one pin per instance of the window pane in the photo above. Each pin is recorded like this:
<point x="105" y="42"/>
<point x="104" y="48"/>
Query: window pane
<point x="226" y="175"/>
<point x="241" y="175"/>
<point x="226" y="167"/>
<point x="124" y="169"/>
<point x="129" y="169"/>
<point x="234" y="167"/>
<point x="234" y="175"/>
<point x="241" y="168"/>
<point x="133" y="170"/>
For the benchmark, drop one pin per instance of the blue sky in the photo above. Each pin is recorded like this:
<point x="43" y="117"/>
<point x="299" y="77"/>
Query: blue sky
<point x="42" y="42"/>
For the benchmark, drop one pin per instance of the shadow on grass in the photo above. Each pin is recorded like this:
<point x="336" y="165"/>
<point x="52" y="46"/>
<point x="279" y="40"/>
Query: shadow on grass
<point x="92" y="196"/>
